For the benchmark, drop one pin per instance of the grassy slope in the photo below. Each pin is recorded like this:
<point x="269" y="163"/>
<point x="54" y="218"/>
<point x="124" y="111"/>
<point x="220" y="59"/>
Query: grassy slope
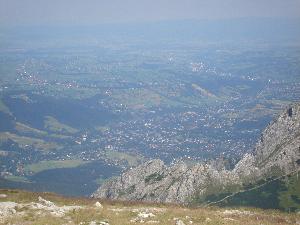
<point x="281" y="194"/>
<point x="120" y="213"/>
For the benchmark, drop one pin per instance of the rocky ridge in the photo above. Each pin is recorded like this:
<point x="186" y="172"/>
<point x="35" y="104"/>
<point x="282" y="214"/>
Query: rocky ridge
<point x="278" y="150"/>
<point x="277" y="153"/>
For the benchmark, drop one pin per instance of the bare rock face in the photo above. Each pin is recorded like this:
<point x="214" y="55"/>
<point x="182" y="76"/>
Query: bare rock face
<point x="278" y="150"/>
<point x="155" y="182"/>
<point x="276" y="153"/>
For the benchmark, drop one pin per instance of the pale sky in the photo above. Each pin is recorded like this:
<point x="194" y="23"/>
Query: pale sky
<point x="81" y="12"/>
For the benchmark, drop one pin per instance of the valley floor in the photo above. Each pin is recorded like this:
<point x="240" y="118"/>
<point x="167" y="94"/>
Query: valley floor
<point x="22" y="208"/>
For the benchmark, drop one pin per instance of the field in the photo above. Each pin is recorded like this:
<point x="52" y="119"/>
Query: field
<point x="48" y="165"/>
<point x="27" y="142"/>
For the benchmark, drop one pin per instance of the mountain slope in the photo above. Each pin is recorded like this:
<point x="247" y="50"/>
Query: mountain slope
<point x="154" y="181"/>
<point x="278" y="150"/>
<point x="277" y="153"/>
<point x="276" y="193"/>
<point x="19" y="207"/>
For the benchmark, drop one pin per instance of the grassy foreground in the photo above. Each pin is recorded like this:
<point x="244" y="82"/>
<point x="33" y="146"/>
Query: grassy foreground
<point x="55" y="209"/>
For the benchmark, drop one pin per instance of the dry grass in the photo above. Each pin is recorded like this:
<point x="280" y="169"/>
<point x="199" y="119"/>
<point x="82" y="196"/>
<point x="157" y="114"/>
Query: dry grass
<point x="122" y="213"/>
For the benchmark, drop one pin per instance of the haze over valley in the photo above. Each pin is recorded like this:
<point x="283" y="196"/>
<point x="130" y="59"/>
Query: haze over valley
<point x="91" y="98"/>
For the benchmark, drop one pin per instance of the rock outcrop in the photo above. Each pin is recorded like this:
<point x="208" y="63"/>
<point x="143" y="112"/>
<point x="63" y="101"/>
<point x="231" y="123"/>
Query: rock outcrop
<point x="153" y="181"/>
<point x="9" y="209"/>
<point x="278" y="150"/>
<point x="276" y="153"/>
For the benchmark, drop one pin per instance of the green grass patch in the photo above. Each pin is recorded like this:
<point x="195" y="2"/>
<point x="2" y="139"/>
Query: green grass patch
<point x="60" y="136"/>
<point x="23" y="128"/>
<point x="290" y="198"/>
<point x="17" y="179"/>
<point x="4" y="108"/>
<point x="138" y="98"/>
<point x="52" y="164"/>
<point x="203" y="91"/>
<point x="24" y="142"/>
<point x="283" y="194"/>
<point x="54" y="125"/>
<point x="130" y="159"/>
<point x="154" y="177"/>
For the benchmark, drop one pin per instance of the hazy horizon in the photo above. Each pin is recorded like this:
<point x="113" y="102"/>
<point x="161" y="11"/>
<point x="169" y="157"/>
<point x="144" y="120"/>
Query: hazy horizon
<point x="93" y="12"/>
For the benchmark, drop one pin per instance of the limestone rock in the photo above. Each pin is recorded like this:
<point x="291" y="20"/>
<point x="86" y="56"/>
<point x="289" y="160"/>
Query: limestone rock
<point x="145" y="215"/>
<point x="179" y="222"/>
<point x="276" y="153"/>
<point x="99" y="205"/>
<point x="7" y="209"/>
<point x="45" y="202"/>
<point x="278" y="150"/>
<point x="3" y="196"/>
